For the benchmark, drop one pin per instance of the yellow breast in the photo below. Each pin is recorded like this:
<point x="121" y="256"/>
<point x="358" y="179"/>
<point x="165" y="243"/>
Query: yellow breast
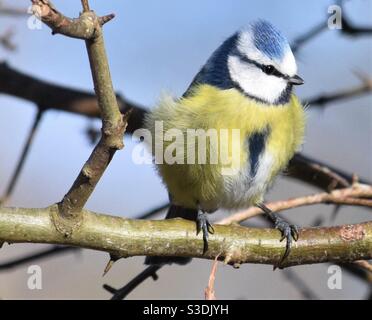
<point x="209" y="185"/>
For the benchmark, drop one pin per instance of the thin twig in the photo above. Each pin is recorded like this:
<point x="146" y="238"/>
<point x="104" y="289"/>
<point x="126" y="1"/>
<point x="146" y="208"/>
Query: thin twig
<point x="152" y="212"/>
<point x="353" y="195"/>
<point x="321" y="100"/>
<point x="305" y="291"/>
<point x="120" y="294"/>
<point x="365" y="265"/>
<point x="47" y="253"/>
<point x="209" y="292"/>
<point x="16" y="12"/>
<point x="348" y="28"/>
<point x="22" y="160"/>
<point x="302" y="39"/>
<point x="6" y="40"/>
<point x="316" y="173"/>
<point x="85" y="4"/>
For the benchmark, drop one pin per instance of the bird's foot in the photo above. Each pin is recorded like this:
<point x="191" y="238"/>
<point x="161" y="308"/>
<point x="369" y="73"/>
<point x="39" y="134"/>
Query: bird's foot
<point x="289" y="232"/>
<point x="202" y="224"/>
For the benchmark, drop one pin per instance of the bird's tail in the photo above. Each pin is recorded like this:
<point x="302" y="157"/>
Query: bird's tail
<point x="174" y="212"/>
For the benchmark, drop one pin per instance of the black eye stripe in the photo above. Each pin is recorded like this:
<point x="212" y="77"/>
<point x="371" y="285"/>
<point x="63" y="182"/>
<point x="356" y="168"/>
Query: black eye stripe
<point x="271" y="70"/>
<point x="268" y="69"/>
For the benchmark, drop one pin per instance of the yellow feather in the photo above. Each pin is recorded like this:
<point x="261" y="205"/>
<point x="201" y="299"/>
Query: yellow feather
<point x="209" y="107"/>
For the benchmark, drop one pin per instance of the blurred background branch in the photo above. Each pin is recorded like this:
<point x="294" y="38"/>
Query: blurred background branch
<point x="35" y="257"/>
<point x="12" y="11"/>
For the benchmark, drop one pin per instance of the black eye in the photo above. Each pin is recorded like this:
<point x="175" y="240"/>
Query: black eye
<point x="268" y="69"/>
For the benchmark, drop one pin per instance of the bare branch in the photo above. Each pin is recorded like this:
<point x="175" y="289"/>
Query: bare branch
<point x="85" y="4"/>
<point x="353" y="195"/>
<point x="21" y="162"/>
<point x="302" y="39"/>
<point x="84" y="27"/>
<point x="152" y="212"/>
<point x="113" y="128"/>
<point x="6" y="40"/>
<point x="300" y="284"/>
<point x="7" y="11"/>
<point x="177" y="237"/>
<point x="209" y="292"/>
<point x="305" y="291"/>
<point x="350" y="29"/>
<point x="321" y="100"/>
<point x="51" y="96"/>
<point x="88" y="27"/>
<point x="316" y="173"/>
<point x="365" y="265"/>
<point x="47" y="253"/>
<point x="120" y="294"/>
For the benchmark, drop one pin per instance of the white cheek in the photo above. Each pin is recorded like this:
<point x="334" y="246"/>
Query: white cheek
<point x="254" y="82"/>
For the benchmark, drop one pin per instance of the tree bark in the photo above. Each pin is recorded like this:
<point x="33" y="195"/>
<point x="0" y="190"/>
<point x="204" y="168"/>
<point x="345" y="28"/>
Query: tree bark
<point x="177" y="237"/>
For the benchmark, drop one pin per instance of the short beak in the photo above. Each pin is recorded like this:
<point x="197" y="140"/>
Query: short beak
<point x="296" y="80"/>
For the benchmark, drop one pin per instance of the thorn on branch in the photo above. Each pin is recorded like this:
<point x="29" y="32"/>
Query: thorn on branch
<point x="113" y="259"/>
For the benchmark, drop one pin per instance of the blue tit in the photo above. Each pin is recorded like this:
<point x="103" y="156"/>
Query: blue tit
<point x="246" y="86"/>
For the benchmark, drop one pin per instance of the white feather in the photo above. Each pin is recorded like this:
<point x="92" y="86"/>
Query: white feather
<point x="240" y="190"/>
<point x="254" y="81"/>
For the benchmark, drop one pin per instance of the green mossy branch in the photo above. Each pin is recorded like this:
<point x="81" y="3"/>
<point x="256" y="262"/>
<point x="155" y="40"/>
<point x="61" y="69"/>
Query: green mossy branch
<point x="176" y="237"/>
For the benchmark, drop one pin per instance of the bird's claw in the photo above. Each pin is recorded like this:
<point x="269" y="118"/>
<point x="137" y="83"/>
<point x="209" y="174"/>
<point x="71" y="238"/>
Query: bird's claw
<point x="202" y="224"/>
<point x="290" y="233"/>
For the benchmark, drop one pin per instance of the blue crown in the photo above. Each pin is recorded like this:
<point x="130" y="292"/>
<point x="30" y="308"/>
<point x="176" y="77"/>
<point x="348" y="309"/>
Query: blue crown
<point x="268" y="39"/>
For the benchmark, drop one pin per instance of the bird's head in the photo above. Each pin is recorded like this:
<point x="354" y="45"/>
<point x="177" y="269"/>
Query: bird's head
<point x="258" y="61"/>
